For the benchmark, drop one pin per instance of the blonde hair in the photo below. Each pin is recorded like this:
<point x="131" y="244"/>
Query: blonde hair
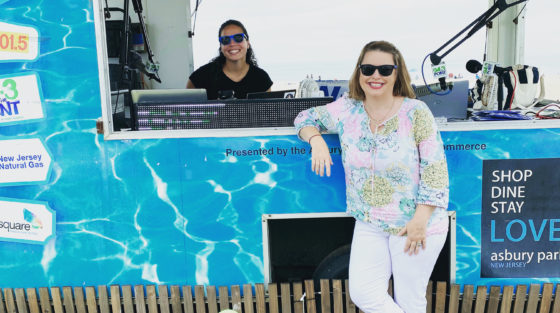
<point x="402" y="86"/>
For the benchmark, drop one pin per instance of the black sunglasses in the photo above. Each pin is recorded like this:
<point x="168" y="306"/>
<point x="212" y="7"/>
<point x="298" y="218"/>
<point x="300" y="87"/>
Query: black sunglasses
<point x="225" y="40"/>
<point x="384" y="70"/>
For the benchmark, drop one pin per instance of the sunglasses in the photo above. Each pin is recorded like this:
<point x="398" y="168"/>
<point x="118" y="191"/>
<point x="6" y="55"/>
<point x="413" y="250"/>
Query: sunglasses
<point x="384" y="70"/>
<point x="226" y="40"/>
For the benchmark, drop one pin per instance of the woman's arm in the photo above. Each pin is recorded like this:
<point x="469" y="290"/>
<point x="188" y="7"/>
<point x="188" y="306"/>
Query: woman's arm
<point x="415" y="229"/>
<point x="321" y="160"/>
<point x="190" y="85"/>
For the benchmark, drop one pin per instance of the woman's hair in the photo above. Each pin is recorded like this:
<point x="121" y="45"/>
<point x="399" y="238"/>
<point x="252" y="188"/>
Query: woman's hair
<point x="402" y="83"/>
<point x="249" y="58"/>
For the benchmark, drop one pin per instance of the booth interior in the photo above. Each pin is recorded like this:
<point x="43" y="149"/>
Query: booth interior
<point x="137" y="102"/>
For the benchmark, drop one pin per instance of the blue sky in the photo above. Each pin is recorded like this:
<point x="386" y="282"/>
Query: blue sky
<point x="293" y="38"/>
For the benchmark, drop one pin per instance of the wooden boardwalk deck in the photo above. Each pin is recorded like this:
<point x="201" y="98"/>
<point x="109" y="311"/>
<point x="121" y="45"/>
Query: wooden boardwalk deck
<point x="298" y="297"/>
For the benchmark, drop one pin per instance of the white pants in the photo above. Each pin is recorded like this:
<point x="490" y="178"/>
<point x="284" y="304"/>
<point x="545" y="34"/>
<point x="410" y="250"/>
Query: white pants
<point x="375" y="255"/>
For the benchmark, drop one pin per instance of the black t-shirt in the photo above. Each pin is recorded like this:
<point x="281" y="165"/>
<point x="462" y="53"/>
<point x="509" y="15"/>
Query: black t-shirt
<point x="212" y="78"/>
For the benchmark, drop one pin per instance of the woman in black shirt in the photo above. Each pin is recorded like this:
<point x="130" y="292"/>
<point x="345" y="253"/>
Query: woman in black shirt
<point x="235" y="70"/>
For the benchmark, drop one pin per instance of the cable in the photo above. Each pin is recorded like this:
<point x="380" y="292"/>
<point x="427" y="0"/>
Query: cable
<point x="552" y="115"/>
<point x="428" y="86"/>
<point x="520" y="11"/>
<point x="191" y="32"/>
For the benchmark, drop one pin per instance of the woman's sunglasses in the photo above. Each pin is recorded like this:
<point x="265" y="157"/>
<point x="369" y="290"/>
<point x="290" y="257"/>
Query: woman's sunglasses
<point x="226" y="40"/>
<point x="384" y="70"/>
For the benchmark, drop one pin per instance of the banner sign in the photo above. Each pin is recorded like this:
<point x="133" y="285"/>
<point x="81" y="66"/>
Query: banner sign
<point x="26" y="221"/>
<point x="18" y="43"/>
<point x="333" y="88"/>
<point x="520" y="229"/>
<point x="20" y="99"/>
<point x="24" y="161"/>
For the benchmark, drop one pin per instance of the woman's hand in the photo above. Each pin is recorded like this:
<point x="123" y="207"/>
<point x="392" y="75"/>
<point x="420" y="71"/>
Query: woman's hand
<point x="415" y="229"/>
<point x="320" y="156"/>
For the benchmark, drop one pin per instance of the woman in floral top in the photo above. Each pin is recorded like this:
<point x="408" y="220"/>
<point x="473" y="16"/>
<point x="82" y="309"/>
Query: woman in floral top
<point x="396" y="179"/>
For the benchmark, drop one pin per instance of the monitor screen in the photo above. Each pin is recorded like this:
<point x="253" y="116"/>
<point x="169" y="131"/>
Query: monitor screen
<point x="279" y="94"/>
<point x="168" y="96"/>
<point x="452" y="105"/>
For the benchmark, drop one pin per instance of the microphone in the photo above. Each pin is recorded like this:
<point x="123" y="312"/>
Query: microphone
<point x="473" y="66"/>
<point x="136" y="62"/>
<point x="440" y="72"/>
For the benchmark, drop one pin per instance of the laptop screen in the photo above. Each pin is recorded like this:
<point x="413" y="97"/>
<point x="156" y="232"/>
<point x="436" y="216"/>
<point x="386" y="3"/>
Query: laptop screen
<point x="157" y="96"/>
<point x="452" y="105"/>
<point x="279" y="94"/>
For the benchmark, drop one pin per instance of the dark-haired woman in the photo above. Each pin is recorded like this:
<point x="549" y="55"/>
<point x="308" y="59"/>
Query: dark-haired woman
<point x="396" y="180"/>
<point x="234" y="72"/>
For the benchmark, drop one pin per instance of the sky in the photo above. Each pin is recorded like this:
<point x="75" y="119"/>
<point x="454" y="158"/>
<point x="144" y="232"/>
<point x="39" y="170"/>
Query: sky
<point x="296" y="38"/>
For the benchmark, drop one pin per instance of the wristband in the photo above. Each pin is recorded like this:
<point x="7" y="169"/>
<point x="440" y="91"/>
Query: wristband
<point x="309" y="140"/>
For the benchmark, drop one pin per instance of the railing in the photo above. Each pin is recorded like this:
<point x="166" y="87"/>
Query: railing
<point x="277" y="298"/>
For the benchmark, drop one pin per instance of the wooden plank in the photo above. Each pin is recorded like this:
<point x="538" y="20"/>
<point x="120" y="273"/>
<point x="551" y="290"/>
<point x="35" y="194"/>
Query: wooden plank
<point x="127" y="300"/>
<point x="31" y="301"/>
<point x="116" y="305"/>
<point x="45" y="301"/>
<point x="350" y="306"/>
<point x="311" y="302"/>
<point x="338" y="303"/>
<point x="441" y="294"/>
<point x="248" y="298"/>
<point x="163" y="299"/>
<point x="139" y="299"/>
<point x="480" y="304"/>
<point x="79" y="300"/>
<point x="103" y="299"/>
<point x="546" y="298"/>
<point x="468" y="292"/>
<point x="519" y="304"/>
<point x="199" y="299"/>
<point x="90" y="299"/>
<point x="507" y="297"/>
<point x="260" y="298"/>
<point x="10" y="302"/>
<point x="429" y="292"/>
<point x="236" y="298"/>
<point x="151" y="299"/>
<point x="273" y="298"/>
<point x="68" y="300"/>
<point x="2" y="307"/>
<point x="298" y="300"/>
<point x="325" y="295"/>
<point x="212" y="299"/>
<point x="285" y="300"/>
<point x="555" y="306"/>
<point x="188" y="302"/>
<point x="454" y="294"/>
<point x="223" y="292"/>
<point x="533" y="300"/>
<point x="176" y="299"/>
<point x="20" y="300"/>
<point x="57" y="300"/>
<point x="494" y="299"/>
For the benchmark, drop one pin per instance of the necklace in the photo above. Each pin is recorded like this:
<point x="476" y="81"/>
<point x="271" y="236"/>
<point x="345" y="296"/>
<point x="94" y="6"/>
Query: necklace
<point x="378" y="121"/>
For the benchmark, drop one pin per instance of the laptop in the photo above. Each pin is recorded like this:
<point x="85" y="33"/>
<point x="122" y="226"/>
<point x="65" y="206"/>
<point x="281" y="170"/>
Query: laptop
<point x="168" y="96"/>
<point x="452" y="105"/>
<point x="279" y="94"/>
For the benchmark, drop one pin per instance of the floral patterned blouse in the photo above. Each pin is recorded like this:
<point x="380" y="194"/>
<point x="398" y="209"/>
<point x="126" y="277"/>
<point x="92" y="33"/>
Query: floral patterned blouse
<point x="388" y="172"/>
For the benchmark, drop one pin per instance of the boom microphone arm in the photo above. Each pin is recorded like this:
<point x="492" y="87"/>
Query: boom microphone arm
<point x="137" y="4"/>
<point x="495" y="10"/>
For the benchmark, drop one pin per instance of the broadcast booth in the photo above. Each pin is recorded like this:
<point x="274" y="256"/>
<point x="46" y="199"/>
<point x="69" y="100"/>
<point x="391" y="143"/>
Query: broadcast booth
<point x="175" y="189"/>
